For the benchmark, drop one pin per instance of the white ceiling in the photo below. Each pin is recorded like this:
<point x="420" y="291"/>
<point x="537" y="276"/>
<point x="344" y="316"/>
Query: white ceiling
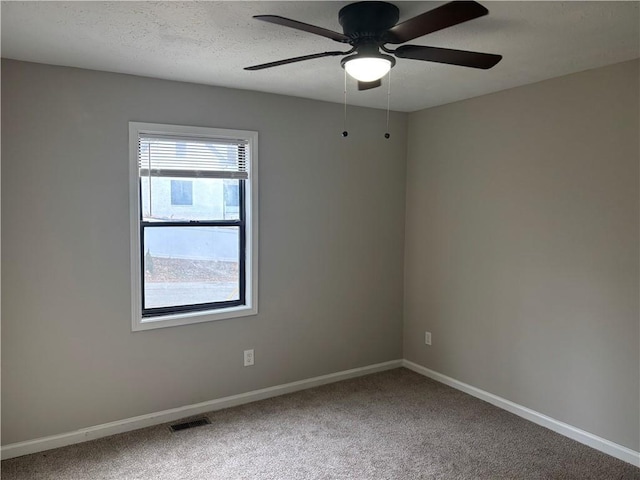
<point x="211" y="42"/>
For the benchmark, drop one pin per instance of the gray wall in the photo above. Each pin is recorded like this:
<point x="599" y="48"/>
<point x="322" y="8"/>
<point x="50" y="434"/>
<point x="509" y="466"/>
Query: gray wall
<point x="331" y="249"/>
<point x="521" y="252"/>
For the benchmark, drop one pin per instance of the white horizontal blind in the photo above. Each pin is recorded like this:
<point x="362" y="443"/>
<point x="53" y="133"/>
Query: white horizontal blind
<point x="183" y="156"/>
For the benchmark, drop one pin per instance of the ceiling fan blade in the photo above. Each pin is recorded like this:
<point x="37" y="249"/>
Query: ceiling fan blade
<point x="369" y="85"/>
<point x="447" y="15"/>
<point x="449" y="56"/>
<point x="293" y="60"/>
<point x="305" y="27"/>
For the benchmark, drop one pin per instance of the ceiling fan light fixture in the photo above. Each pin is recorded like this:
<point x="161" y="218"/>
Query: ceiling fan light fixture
<point x="368" y="65"/>
<point x="368" y="68"/>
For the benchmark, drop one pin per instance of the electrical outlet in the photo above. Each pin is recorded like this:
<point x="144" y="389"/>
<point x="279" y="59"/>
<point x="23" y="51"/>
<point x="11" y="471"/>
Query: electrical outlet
<point x="248" y="358"/>
<point x="427" y="338"/>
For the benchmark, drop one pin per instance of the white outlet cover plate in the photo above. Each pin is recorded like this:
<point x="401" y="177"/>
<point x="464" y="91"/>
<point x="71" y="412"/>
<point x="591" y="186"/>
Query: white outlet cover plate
<point x="248" y="358"/>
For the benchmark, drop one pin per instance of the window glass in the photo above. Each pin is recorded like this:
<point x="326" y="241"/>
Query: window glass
<point x="210" y="199"/>
<point x="192" y="265"/>
<point x="181" y="192"/>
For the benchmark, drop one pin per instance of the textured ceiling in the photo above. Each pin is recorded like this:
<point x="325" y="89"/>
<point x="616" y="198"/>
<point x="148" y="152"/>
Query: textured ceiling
<point x="211" y="42"/>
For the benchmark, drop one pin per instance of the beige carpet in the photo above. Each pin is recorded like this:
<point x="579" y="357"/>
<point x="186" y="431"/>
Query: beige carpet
<point x="391" y="425"/>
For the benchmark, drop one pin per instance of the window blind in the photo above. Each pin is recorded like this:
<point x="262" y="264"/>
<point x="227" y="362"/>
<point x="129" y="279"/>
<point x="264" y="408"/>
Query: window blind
<point x="181" y="156"/>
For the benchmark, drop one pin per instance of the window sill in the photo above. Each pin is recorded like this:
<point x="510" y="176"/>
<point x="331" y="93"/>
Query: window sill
<point x="176" y="320"/>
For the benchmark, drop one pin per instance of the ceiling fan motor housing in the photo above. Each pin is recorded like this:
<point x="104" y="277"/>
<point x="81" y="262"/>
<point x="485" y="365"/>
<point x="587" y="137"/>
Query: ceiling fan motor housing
<point x="368" y="20"/>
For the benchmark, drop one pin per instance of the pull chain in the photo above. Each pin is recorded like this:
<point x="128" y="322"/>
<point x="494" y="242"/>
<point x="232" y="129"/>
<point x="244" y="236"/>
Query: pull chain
<point x="387" y="134"/>
<point x="344" y="125"/>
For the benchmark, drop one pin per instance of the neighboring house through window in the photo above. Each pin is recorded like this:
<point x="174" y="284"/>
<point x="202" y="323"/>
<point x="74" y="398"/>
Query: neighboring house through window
<point x="194" y="224"/>
<point x="181" y="192"/>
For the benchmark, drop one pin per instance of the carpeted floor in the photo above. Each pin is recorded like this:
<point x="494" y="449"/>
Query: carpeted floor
<point x="390" y="425"/>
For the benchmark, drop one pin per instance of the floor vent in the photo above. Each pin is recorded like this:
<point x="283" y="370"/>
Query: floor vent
<point x="198" y="422"/>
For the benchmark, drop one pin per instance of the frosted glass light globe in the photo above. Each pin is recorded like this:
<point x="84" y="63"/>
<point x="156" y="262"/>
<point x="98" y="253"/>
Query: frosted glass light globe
<point x="368" y="69"/>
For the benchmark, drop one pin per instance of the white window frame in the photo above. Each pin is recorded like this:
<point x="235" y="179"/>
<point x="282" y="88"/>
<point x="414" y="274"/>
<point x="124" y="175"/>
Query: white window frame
<point x="139" y="323"/>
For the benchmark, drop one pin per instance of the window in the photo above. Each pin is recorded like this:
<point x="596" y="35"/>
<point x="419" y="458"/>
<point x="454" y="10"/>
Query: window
<point x="181" y="192"/>
<point x="231" y="200"/>
<point x="193" y="224"/>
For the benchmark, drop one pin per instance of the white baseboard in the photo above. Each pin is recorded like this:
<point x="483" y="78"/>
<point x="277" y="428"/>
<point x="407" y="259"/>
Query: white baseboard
<point x="54" y="441"/>
<point x="599" y="443"/>
<point x="142" y="421"/>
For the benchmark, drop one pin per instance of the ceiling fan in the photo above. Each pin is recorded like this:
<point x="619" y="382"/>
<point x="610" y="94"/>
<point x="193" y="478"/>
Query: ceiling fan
<point x="369" y="26"/>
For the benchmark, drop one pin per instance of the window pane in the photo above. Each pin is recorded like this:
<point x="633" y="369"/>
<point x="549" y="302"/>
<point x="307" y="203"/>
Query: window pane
<point x="181" y="192"/>
<point x="179" y="199"/>
<point x="191" y="265"/>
